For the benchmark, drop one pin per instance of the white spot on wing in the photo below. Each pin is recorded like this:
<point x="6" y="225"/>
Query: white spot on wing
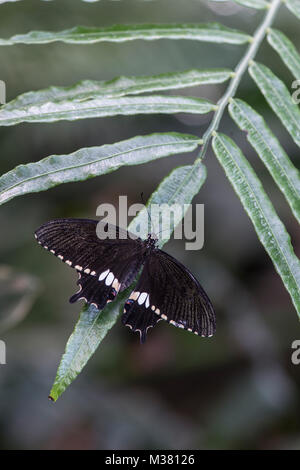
<point x="142" y="298"/>
<point x="109" y="279"/>
<point x="103" y="275"/>
<point x="134" y="295"/>
<point x="116" y="285"/>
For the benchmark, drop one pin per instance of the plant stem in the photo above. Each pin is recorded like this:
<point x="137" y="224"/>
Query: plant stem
<point x="240" y="69"/>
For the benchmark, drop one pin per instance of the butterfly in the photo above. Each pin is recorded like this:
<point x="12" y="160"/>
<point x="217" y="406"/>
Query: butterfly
<point x="166" y="290"/>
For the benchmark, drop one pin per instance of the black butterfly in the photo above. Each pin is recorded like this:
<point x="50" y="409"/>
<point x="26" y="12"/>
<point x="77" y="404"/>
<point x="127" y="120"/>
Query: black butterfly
<point x="166" y="290"/>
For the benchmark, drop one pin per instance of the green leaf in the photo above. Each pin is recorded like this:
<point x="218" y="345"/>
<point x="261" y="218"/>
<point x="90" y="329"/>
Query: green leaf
<point x="89" y="90"/>
<point x="103" y="107"/>
<point x="257" y="4"/>
<point x="293" y="6"/>
<point x="286" y="50"/>
<point x="91" y="328"/>
<point x="279" y="98"/>
<point x="209" y="32"/>
<point x="178" y="188"/>
<point x="92" y="161"/>
<point x="262" y="139"/>
<point x="269" y="228"/>
<point x="93" y="325"/>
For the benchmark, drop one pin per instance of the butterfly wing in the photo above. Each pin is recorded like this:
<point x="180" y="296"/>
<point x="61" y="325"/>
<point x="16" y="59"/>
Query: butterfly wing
<point x="137" y="312"/>
<point x="105" y="266"/>
<point x="168" y="291"/>
<point x="93" y="292"/>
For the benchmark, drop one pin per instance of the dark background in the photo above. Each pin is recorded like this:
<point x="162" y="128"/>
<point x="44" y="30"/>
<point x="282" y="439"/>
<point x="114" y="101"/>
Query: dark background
<point x="238" y="390"/>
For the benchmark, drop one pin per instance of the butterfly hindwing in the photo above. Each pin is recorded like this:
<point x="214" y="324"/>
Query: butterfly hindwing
<point x="95" y="292"/>
<point x="137" y="312"/>
<point x="168" y="290"/>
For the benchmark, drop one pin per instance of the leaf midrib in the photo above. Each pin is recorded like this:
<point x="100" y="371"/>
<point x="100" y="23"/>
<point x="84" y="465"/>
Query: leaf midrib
<point x="152" y="30"/>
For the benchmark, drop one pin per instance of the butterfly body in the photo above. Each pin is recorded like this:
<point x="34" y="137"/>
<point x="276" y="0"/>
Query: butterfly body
<point x="165" y="290"/>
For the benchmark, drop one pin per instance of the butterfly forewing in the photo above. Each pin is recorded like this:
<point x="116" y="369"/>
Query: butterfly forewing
<point x="105" y="266"/>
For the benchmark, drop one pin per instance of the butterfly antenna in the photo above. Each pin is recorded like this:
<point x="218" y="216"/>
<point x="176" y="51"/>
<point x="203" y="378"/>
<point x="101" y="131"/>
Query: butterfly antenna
<point x="164" y="230"/>
<point x="149" y="216"/>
